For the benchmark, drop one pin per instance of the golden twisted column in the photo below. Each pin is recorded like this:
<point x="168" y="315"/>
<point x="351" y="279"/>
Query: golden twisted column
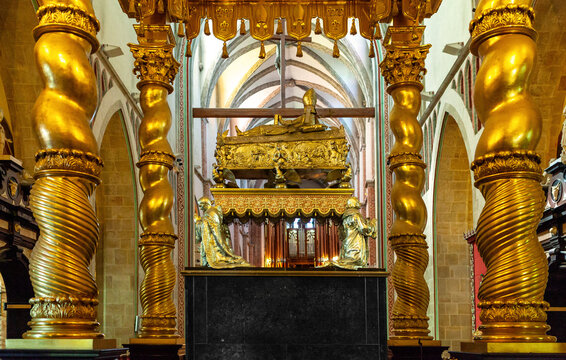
<point x="156" y="68"/>
<point x="67" y="170"/>
<point x="402" y="68"/>
<point x="508" y="173"/>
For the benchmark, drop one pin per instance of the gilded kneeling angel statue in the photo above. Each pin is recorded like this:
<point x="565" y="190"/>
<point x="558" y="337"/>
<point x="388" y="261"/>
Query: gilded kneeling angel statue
<point x="214" y="238"/>
<point x="354" y="233"/>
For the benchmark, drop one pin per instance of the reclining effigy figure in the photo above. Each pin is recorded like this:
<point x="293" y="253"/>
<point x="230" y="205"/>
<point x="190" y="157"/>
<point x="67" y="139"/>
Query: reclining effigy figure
<point x="307" y="122"/>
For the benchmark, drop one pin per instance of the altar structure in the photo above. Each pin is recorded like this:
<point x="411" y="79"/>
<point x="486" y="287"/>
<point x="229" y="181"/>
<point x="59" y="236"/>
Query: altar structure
<point x="293" y="176"/>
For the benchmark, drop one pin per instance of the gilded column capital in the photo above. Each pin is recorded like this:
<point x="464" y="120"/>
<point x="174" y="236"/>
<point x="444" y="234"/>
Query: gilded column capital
<point x="404" y="62"/>
<point x="520" y="163"/>
<point x="408" y="240"/>
<point x="155" y="64"/>
<point x="506" y="19"/>
<point x="156" y="157"/>
<point x="52" y="162"/>
<point x="158" y="239"/>
<point x="405" y="158"/>
<point x="60" y="17"/>
<point x="154" y="61"/>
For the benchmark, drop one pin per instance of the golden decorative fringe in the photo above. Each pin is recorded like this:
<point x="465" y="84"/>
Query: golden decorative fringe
<point x="160" y="7"/>
<point x="242" y="27"/>
<point x="132" y="8"/>
<point x="371" y="50"/>
<point x="279" y="27"/>
<point x="189" y="51"/>
<point x="353" y="30"/>
<point x="336" y="51"/>
<point x="181" y="30"/>
<point x="318" y="29"/>
<point x="299" y="50"/>
<point x="206" y="28"/>
<point x="262" y="51"/>
<point x="224" y="51"/>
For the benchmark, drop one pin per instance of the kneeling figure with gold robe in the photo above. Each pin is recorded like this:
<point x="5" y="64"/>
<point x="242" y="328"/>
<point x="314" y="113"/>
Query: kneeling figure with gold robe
<point x="214" y="238"/>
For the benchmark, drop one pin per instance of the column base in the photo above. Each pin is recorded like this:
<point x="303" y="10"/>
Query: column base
<point x="507" y="351"/>
<point x="43" y="349"/>
<point x="155" y="349"/>
<point x="416" y="349"/>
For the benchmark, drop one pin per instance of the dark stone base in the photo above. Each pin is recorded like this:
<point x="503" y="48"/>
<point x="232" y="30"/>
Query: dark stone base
<point x="505" y="356"/>
<point x="154" y="352"/>
<point x="106" y="354"/>
<point x="261" y="314"/>
<point x="417" y="352"/>
<point x="287" y="352"/>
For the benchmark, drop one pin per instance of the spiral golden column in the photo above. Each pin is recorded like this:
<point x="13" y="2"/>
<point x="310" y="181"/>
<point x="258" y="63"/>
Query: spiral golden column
<point x="156" y="68"/>
<point x="508" y="173"/>
<point x="402" y="68"/>
<point x="67" y="170"/>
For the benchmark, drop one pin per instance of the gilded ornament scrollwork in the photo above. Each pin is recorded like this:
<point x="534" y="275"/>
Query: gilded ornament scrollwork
<point x="156" y="157"/>
<point x="513" y="311"/>
<point x="501" y="17"/>
<point x="498" y="164"/>
<point x="64" y="307"/>
<point x="279" y="202"/>
<point x="70" y="18"/>
<point x="404" y="60"/>
<point x="69" y="160"/>
<point x="325" y="154"/>
<point x="155" y="64"/>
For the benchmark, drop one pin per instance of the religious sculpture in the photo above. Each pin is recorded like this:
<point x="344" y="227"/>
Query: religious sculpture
<point x="285" y="153"/>
<point x="354" y="235"/>
<point x="307" y="122"/>
<point x="214" y="238"/>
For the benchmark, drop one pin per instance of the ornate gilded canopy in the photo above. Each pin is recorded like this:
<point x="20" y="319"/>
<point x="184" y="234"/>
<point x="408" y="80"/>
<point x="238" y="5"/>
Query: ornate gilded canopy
<point x="290" y="203"/>
<point x="263" y="15"/>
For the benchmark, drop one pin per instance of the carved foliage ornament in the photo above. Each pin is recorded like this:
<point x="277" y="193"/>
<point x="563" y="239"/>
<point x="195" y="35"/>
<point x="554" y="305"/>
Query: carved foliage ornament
<point x="502" y="17"/>
<point x="155" y="64"/>
<point x="52" y="160"/>
<point x="64" y="308"/>
<point x="316" y="154"/>
<point x="280" y="202"/>
<point x="54" y="16"/>
<point x="527" y="162"/>
<point x="513" y="311"/>
<point x="404" y="64"/>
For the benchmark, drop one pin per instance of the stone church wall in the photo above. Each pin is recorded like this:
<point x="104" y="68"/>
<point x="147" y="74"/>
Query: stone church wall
<point x="115" y="260"/>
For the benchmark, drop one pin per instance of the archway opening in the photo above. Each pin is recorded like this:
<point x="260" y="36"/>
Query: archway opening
<point x="116" y="255"/>
<point x="453" y="217"/>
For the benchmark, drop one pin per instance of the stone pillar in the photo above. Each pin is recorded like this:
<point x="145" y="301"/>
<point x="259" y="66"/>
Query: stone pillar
<point x="156" y="68"/>
<point x="67" y="170"/>
<point x="507" y="172"/>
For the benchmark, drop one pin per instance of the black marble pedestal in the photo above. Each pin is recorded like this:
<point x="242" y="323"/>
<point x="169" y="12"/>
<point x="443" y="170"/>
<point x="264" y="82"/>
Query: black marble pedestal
<point x="416" y="349"/>
<point x="271" y="314"/>
<point x="106" y="354"/>
<point x="154" y="352"/>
